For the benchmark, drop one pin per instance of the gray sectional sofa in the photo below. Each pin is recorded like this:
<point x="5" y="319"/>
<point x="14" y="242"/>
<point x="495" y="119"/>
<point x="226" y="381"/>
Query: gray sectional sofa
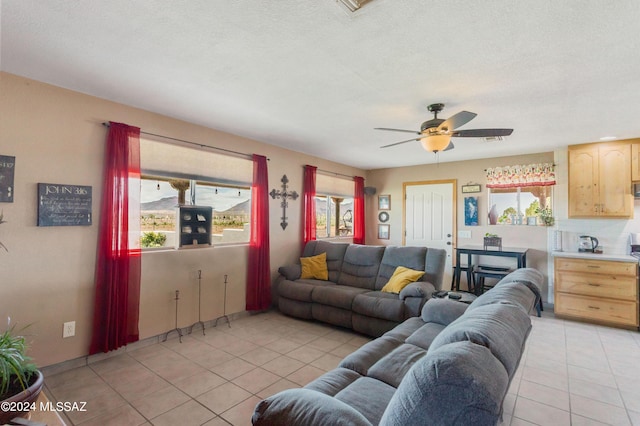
<point x="451" y="366"/>
<point x="351" y="297"/>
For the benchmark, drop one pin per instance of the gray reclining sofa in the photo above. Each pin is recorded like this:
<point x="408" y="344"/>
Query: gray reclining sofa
<point x="451" y="366"/>
<point x="351" y="297"/>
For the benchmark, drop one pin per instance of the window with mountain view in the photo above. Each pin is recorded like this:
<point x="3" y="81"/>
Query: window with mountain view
<point x="202" y="178"/>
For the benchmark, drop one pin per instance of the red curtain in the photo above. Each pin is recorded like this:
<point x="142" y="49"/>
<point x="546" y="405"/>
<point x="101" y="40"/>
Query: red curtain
<point x="358" y="210"/>
<point x="117" y="278"/>
<point x="259" y="272"/>
<point x="309" y="200"/>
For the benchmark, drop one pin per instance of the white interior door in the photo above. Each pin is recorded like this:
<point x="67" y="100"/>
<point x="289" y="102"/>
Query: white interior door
<point x="429" y="218"/>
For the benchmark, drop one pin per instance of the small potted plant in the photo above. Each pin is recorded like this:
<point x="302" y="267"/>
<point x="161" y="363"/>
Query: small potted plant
<point x="492" y="240"/>
<point x="20" y="380"/>
<point x="546" y="216"/>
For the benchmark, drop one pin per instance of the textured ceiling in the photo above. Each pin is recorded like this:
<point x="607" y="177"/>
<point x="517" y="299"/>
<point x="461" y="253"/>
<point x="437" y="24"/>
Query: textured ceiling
<point x="309" y="76"/>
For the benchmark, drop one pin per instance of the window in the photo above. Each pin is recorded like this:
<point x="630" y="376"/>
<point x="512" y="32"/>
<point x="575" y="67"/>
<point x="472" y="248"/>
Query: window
<point x="334" y="206"/>
<point x="203" y="178"/>
<point x="521" y="194"/>
<point x="334" y="216"/>
<point x="519" y="205"/>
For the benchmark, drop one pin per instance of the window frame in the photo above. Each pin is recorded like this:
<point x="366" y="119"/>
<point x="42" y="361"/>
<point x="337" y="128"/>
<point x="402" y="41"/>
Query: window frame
<point x="190" y="197"/>
<point x="332" y="214"/>
<point x="521" y="216"/>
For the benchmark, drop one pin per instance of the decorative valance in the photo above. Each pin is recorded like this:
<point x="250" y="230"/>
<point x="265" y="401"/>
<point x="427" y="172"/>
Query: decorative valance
<point x="541" y="174"/>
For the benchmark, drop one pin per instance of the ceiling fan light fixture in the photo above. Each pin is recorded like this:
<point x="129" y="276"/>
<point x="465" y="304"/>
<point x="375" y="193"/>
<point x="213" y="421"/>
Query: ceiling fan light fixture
<point x="436" y="143"/>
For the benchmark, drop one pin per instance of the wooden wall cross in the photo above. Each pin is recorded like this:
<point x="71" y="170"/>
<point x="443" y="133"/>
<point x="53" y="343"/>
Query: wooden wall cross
<point x="284" y="194"/>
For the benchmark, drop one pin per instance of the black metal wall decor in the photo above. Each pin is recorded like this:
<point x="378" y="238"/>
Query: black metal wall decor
<point x="284" y="194"/>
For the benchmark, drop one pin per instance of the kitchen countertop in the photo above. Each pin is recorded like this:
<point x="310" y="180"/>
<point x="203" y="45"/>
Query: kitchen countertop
<point x="596" y="256"/>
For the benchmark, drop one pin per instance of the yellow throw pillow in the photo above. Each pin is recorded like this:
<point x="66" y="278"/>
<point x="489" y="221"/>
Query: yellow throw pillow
<point x="315" y="267"/>
<point x="401" y="278"/>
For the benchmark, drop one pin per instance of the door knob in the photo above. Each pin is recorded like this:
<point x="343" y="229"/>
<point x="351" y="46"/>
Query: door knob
<point x="449" y="235"/>
<point x="448" y="243"/>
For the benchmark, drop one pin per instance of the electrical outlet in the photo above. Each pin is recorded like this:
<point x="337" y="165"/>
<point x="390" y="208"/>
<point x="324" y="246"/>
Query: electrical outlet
<point x="68" y="329"/>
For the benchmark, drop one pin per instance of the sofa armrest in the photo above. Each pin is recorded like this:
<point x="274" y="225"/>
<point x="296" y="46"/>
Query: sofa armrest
<point x="442" y="311"/>
<point x="420" y="289"/>
<point x="305" y="407"/>
<point x="291" y="272"/>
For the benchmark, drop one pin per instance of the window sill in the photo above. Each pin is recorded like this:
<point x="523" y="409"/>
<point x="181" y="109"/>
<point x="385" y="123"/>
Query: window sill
<point x="200" y="247"/>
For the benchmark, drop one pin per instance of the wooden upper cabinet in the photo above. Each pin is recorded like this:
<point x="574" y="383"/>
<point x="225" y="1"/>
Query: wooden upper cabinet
<point x="600" y="180"/>
<point x="635" y="160"/>
<point x="583" y="181"/>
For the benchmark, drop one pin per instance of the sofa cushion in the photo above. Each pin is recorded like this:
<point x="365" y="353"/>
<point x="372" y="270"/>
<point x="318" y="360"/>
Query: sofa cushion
<point x="424" y="336"/>
<point x="502" y="328"/>
<point x="360" y="266"/>
<point x="332" y="382"/>
<point x="305" y="407"/>
<point x="381" y="305"/>
<point x="368" y="354"/>
<point x="314" y="267"/>
<point x="340" y="296"/>
<point x="434" y="267"/>
<point x="368" y="396"/>
<point x="301" y="289"/>
<point x="392" y="367"/>
<point x="335" y="254"/>
<point x="458" y="384"/>
<point x="394" y="256"/>
<point x="402" y="331"/>
<point x="401" y="278"/>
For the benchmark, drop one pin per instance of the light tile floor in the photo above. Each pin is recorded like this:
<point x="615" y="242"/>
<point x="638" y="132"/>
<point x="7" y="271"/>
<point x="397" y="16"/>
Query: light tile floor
<point x="570" y="374"/>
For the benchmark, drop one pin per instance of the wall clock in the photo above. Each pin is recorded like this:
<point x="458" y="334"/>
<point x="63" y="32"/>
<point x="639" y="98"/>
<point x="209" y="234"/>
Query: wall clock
<point x="383" y="216"/>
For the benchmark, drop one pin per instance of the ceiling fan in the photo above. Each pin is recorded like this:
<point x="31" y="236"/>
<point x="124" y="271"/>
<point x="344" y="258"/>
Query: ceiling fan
<point x="436" y="134"/>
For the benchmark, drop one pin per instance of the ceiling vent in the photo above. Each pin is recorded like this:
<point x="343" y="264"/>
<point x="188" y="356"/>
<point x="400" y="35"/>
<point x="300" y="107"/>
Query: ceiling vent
<point x="494" y="138"/>
<point x="353" y="5"/>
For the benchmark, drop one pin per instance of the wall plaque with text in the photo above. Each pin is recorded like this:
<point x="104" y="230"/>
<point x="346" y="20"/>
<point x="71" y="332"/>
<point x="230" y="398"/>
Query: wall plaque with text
<point x="7" y="170"/>
<point x="64" y="205"/>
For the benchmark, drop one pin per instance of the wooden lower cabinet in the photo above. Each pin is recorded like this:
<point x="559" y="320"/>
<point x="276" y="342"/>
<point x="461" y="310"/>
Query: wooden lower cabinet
<point x="596" y="290"/>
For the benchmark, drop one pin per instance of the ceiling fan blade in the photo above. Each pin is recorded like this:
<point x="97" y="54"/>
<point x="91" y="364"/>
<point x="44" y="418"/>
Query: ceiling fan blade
<point x="449" y="147"/>
<point x="401" y="142"/>
<point x="397" y="130"/>
<point x="481" y="133"/>
<point x="457" y="120"/>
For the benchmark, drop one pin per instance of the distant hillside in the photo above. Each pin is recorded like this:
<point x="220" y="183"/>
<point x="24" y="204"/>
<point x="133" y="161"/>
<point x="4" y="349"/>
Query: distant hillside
<point x="170" y="203"/>
<point x="241" y="209"/>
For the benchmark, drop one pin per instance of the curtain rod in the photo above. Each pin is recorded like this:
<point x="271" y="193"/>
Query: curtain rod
<point x="249" y="156"/>
<point x="328" y="172"/>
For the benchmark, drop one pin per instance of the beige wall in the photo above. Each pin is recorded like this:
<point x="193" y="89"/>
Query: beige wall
<point x="390" y="181"/>
<point x="46" y="278"/>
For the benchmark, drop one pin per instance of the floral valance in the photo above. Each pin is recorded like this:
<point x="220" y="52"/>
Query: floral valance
<point x="541" y="174"/>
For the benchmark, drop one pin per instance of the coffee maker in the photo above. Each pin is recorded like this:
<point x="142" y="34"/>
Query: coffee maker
<point x="587" y="243"/>
<point x="634" y="244"/>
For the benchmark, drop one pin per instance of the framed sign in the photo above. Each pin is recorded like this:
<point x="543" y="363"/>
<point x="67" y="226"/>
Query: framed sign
<point x="64" y="205"/>
<point x="384" y="202"/>
<point x="468" y="189"/>
<point x="7" y="167"/>
<point x="383" y="232"/>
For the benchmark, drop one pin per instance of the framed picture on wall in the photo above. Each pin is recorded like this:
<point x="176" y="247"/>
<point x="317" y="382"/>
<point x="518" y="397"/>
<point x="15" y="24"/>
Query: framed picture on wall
<point x="471" y="211"/>
<point x="383" y="232"/>
<point x="384" y="202"/>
